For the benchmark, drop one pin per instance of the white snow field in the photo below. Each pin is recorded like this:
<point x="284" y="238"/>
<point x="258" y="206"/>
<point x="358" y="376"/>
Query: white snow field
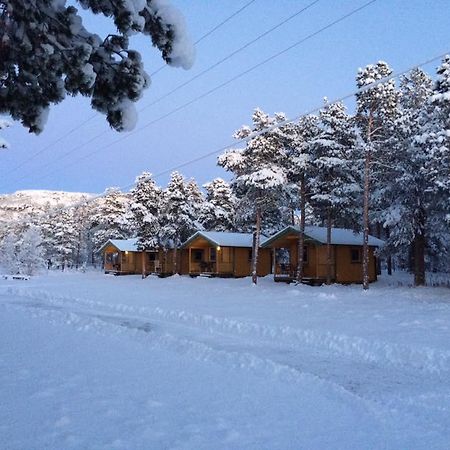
<point x="90" y="361"/>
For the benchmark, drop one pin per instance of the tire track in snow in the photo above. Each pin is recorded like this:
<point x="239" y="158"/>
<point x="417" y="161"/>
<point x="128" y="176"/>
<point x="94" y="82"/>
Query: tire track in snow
<point x="375" y="351"/>
<point x="155" y="335"/>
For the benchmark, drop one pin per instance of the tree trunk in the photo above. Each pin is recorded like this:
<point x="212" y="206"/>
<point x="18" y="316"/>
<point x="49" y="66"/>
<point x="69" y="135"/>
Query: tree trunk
<point x="365" y="261"/>
<point x="419" y="252"/>
<point x="174" y="263"/>
<point x="301" y="237"/>
<point x="378" y="261"/>
<point x="329" y="260"/>
<point x="419" y="260"/>
<point x="143" y="264"/>
<point x="256" y="246"/>
<point x="389" y="257"/>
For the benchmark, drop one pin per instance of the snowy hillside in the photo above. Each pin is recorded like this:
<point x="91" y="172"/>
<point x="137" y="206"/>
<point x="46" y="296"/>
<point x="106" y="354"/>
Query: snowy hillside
<point x="21" y="203"/>
<point x="91" y="361"/>
<point x="37" y="199"/>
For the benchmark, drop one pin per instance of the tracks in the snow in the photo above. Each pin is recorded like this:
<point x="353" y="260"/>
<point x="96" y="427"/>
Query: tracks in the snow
<point x="287" y="354"/>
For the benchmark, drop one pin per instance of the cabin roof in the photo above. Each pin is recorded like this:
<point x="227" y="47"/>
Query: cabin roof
<point x="339" y="236"/>
<point x="223" y="238"/>
<point x="123" y="245"/>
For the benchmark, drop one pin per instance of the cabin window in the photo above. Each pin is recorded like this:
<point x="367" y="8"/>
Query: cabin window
<point x="355" y="255"/>
<point x="152" y="256"/>
<point x="197" y="255"/>
<point x="212" y="254"/>
<point x="305" y="254"/>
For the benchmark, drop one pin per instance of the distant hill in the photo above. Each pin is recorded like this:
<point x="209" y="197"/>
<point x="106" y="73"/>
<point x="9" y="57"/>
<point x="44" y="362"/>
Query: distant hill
<point x="15" y="206"/>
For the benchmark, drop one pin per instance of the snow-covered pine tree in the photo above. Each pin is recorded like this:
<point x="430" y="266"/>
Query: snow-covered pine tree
<point x="46" y="53"/>
<point x="60" y="237"/>
<point x="404" y="196"/>
<point x="296" y="138"/>
<point x="218" y="212"/>
<point x="30" y="255"/>
<point x="145" y="209"/>
<point x="435" y="141"/>
<point x="178" y="220"/>
<point x="334" y="184"/>
<point x="376" y="111"/>
<point x="259" y="175"/>
<point x="109" y="219"/>
<point x="196" y="199"/>
<point x="8" y="254"/>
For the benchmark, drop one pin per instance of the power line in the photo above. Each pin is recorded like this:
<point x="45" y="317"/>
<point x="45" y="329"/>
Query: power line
<point x="208" y="33"/>
<point x="216" y="88"/>
<point x="277" y="125"/>
<point x="208" y="69"/>
<point x="42" y="150"/>
<point x="204" y="36"/>
<point x="230" y="55"/>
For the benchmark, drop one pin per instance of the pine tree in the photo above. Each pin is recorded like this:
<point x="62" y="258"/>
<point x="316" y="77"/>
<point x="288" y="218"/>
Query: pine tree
<point x="434" y="139"/>
<point x="30" y="255"/>
<point x="196" y="199"/>
<point x="334" y="184"/>
<point x="145" y="209"/>
<point x="296" y="138"/>
<point x="218" y="212"/>
<point x="177" y="215"/>
<point x="405" y="194"/>
<point x="8" y="254"/>
<point x="259" y="175"/>
<point x="376" y="111"/>
<point x="110" y="218"/>
<point x="60" y="237"/>
<point x="46" y="53"/>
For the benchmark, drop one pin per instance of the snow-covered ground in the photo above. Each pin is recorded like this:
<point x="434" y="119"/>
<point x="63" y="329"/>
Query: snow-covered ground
<point x="90" y="361"/>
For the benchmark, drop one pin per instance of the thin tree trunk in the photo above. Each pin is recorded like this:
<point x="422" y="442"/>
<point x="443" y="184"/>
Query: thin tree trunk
<point x="419" y="253"/>
<point x="329" y="260"/>
<point x="378" y="260"/>
<point x="365" y="262"/>
<point x="174" y="263"/>
<point x="143" y="264"/>
<point x="389" y="257"/>
<point x="256" y="246"/>
<point x="301" y="237"/>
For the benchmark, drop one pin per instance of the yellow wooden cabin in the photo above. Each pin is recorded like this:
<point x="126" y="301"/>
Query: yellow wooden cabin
<point x="223" y="254"/>
<point x="346" y="250"/>
<point x="122" y="257"/>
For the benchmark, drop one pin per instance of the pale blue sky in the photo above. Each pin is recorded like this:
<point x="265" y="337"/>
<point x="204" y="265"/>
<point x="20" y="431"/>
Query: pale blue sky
<point x="401" y="32"/>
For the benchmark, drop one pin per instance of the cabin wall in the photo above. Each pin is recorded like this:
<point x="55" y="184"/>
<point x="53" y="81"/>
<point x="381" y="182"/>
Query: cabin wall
<point x="351" y="272"/>
<point x="128" y="261"/>
<point x="343" y="269"/>
<point x="230" y="261"/>
<point x="310" y="266"/>
<point x="242" y="262"/>
<point x="264" y="262"/>
<point x="184" y="261"/>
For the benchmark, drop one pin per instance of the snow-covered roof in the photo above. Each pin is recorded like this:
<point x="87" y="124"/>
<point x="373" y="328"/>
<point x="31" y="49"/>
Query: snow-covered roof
<point x="339" y="236"/>
<point x="123" y="245"/>
<point x="223" y="238"/>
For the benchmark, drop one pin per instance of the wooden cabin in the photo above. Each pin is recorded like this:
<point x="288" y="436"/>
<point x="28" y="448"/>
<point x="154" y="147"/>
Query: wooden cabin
<point x="122" y="257"/>
<point x="223" y="254"/>
<point x="346" y="250"/>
